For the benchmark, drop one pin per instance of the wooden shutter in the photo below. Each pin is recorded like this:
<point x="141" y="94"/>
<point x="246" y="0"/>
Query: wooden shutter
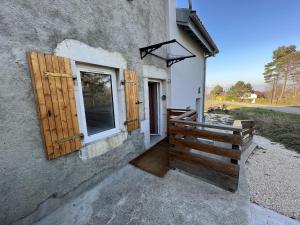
<point x="53" y="86"/>
<point x="132" y="100"/>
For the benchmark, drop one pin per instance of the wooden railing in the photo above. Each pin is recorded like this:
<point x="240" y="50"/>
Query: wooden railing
<point x="209" y="151"/>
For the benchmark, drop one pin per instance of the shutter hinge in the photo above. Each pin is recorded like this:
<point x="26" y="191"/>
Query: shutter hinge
<point x="62" y="75"/>
<point x="123" y="82"/>
<point x="71" y="138"/>
<point x="129" y="121"/>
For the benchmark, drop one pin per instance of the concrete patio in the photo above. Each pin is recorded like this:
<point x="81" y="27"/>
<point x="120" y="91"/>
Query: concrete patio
<point x="132" y="196"/>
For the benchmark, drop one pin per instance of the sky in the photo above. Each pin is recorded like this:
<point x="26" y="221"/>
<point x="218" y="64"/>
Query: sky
<point x="246" y="33"/>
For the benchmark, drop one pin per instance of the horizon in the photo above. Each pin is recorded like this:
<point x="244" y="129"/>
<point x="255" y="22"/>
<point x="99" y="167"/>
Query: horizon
<point x="246" y="44"/>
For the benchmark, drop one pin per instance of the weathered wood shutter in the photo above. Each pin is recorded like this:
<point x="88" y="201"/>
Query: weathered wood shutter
<point x="132" y="100"/>
<point x="55" y="99"/>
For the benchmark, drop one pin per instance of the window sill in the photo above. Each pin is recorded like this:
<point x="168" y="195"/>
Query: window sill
<point x="100" y="136"/>
<point x="103" y="145"/>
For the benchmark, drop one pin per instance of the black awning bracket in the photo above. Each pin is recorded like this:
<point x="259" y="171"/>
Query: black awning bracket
<point x="149" y="49"/>
<point x="169" y="61"/>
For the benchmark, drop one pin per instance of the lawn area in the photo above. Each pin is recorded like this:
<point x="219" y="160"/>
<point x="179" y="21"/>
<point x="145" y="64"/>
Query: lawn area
<point x="277" y="126"/>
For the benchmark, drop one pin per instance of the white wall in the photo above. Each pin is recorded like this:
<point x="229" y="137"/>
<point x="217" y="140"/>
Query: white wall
<point x="187" y="76"/>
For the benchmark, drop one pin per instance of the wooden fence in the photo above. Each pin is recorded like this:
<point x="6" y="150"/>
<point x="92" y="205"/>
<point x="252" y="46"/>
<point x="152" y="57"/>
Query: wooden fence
<point x="209" y="151"/>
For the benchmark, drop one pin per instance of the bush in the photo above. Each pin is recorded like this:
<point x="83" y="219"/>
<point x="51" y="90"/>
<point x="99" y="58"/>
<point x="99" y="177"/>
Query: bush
<point x="262" y="101"/>
<point x="226" y="98"/>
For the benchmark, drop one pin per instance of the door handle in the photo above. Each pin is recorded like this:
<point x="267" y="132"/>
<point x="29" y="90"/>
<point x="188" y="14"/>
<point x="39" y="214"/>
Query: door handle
<point x="138" y="102"/>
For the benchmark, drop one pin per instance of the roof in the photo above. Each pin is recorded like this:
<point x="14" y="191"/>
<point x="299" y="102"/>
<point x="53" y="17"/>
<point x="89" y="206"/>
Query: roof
<point x="190" y="22"/>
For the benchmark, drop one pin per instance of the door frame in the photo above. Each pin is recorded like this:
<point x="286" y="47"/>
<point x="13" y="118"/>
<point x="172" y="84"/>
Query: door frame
<point x="152" y="73"/>
<point x="159" y="106"/>
<point x="145" y="125"/>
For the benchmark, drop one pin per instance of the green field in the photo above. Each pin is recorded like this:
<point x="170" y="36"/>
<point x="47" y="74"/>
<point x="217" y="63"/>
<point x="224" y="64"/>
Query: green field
<point x="277" y="126"/>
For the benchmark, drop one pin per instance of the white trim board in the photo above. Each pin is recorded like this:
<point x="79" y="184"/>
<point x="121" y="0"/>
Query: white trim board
<point x="154" y="72"/>
<point x="82" y="52"/>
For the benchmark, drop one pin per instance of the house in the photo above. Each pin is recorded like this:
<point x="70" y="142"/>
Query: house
<point x="77" y="100"/>
<point x="188" y="76"/>
<point x="249" y="96"/>
<point x="259" y="94"/>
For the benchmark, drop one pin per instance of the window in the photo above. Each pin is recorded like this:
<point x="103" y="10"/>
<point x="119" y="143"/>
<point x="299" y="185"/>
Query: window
<point x="98" y="102"/>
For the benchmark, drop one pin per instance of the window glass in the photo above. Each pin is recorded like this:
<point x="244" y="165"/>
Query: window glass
<point x="98" y="101"/>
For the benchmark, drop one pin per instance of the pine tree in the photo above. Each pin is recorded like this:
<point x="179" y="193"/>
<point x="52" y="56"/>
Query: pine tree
<point x="285" y="66"/>
<point x="282" y="57"/>
<point x="295" y="72"/>
<point x="271" y="76"/>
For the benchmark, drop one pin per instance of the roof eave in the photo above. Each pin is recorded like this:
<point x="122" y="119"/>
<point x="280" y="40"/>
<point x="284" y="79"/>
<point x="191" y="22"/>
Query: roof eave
<point x="189" y="21"/>
<point x="196" y="20"/>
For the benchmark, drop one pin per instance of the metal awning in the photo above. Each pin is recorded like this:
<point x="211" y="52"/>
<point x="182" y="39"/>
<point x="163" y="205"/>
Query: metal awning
<point x="169" y="59"/>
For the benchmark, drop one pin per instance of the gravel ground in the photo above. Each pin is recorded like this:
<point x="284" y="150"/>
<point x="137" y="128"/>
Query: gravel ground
<point x="218" y="118"/>
<point x="274" y="177"/>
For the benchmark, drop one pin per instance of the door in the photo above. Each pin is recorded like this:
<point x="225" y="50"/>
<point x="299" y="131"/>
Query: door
<point x="153" y="88"/>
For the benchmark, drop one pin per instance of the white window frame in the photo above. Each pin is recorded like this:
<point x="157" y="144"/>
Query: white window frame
<point x="80" y="102"/>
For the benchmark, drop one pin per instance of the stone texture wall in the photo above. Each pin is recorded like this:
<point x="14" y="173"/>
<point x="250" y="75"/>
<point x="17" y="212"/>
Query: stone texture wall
<point x="30" y="185"/>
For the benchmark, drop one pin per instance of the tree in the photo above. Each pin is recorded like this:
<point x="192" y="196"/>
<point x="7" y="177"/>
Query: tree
<point x="295" y="72"/>
<point x="284" y="68"/>
<point x="282" y="59"/>
<point x="217" y="91"/>
<point x="271" y="76"/>
<point x="95" y="86"/>
<point x="240" y="88"/>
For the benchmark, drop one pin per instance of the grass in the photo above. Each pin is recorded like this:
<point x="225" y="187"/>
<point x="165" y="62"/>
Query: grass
<point x="277" y="126"/>
<point x="225" y="105"/>
<point x="236" y="104"/>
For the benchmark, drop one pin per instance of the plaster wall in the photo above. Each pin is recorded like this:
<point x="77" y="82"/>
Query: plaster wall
<point x="30" y="185"/>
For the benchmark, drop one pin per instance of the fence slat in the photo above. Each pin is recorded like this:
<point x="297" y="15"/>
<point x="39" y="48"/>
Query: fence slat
<point x="231" y="153"/>
<point x="223" y="137"/>
<point x="186" y="114"/>
<point x="227" y="168"/>
<point x="208" y="125"/>
<point x="217" y="178"/>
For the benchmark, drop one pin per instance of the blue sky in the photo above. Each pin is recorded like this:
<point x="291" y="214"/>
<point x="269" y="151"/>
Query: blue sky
<point x="246" y="32"/>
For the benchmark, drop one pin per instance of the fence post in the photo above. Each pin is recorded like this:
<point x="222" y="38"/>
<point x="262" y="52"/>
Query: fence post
<point x="234" y="161"/>
<point x="168" y="121"/>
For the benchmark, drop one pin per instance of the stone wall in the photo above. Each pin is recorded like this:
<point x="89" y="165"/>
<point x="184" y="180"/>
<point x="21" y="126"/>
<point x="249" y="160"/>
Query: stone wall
<point x="30" y="185"/>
